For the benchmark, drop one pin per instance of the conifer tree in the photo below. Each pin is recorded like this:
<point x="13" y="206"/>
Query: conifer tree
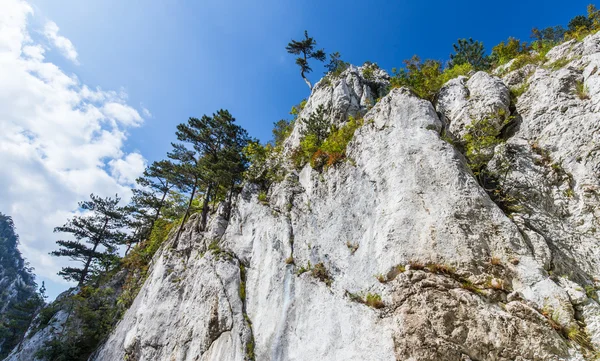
<point x="148" y="200"/>
<point x="97" y="235"/>
<point x="470" y="51"/>
<point x="306" y="49"/>
<point x="316" y="125"/>
<point x="210" y="161"/>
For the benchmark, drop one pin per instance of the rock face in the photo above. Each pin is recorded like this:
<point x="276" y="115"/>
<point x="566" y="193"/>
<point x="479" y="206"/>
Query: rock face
<point x="398" y="253"/>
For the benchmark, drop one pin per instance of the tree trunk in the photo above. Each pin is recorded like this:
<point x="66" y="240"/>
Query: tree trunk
<point x="84" y="272"/>
<point x="307" y="82"/>
<point x="205" y="207"/>
<point x="89" y="261"/>
<point x="185" y="216"/>
<point x="161" y="204"/>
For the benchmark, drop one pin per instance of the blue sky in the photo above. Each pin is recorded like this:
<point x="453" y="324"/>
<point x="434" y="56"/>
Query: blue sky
<point x="186" y="58"/>
<point x="178" y="59"/>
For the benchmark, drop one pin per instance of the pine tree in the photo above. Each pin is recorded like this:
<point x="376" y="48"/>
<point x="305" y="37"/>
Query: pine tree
<point x="210" y="161"/>
<point x="316" y="125"/>
<point x="97" y="235"/>
<point x="148" y="200"/>
<point x="305" y="48"/>
<point x="470" y="51"/>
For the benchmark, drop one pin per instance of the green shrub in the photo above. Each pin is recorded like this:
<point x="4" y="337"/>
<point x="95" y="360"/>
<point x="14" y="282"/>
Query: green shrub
<point x="524" y="59"/>
<point x="296" y="109"/>
<point x="479" y="141"/>
<point x="455" y="72"/>
<point x="320" y="272"/>
<point x="262" y="197"/>
<point x="281" y="130"/>
<point x="368" y="72"/>
<point x="558" y="64"/>
<point x="506" y="51"/>
<point x="265" y="167"/>
<point x="374" y="300"/>
<point x="516" y="92"/>
<point x="423" y="78"/>
<point x="93" y="316"/>
<point x="582" y="91"/>
<point x="334" y="147"/>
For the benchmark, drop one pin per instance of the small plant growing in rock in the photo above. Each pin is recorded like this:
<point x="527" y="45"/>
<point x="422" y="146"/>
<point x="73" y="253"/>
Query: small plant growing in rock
<point x="516" y="92"/>
<point x="416" y="265"/>
<point x="262" y="198"/>
<point x="582" y="91"/>
<point x="374" y="300"/>
<point x="575" y="334"/>
<point x="381" y="278"/>
<point x="289" y="260"/>
<point x="303" y="269"/>
<point x="591" y="292"/>
<point x="394" y="272"/>
<point x="320" y="272"/>
<point x="558" y="64"/>
<point x="469" y="286"/>
<point x="440" y="268"/>
<point x="353" y="247"/>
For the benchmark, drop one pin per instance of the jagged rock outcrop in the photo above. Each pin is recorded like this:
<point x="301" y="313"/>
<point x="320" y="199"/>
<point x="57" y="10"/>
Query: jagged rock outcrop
<point x="398" y="253"/>
<point x="18" y="298"/>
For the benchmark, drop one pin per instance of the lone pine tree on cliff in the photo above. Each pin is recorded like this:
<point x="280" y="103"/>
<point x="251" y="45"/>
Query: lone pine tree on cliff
<point x="306" y="49"/>
<point x="97" y="235"/>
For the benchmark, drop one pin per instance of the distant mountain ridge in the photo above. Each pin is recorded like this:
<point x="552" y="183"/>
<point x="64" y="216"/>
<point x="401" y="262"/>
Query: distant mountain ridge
<point x="18" y="295"/>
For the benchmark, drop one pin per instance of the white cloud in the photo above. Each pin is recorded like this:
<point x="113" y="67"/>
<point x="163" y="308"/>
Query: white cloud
<point x="60" y="140"/>
<point x="122" y="113"/>
<point x="126" y="170"/>
<point x="64" y="45"/>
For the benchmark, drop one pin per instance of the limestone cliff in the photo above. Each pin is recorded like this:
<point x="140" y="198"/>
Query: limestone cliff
<point x="399" y="253"/>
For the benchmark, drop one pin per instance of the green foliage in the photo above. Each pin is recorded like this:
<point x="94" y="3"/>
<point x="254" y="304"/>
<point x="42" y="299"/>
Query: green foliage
<point x="581" y="25"/>
<point x="209" y="160"/>
<point x="426" y="78"/>
<point x="374" y="300"/>
<point x="582" y="91"/>
<point x="137" y="262"/>
<point x="480" y="140"/>
<point x="296" y="109"/>
<point x="369" y="71"/>
<point x="265" y="166"/>
<point x="336" y="143"/>
<point x="283" y="128"/>
<point x="336" y="65"/>
<point x="506" y="51"/>
<point x="423" y="78"/>
<point x="470" y="51"/>
<point x="20" y="305"/>
<point x="456" y="71"/>
<point x="93" y="315"/>
<point x="558" y="64"/>
<point x="317" y="125"/>
<point x="262" y="197"/>
<point x="524" y="59"/>
<point x="550" y="35"/>
<point x="306" y="49"/>
<point x="101" y="230"/>
<point x="516" y="92"/>
<point x="320" y="272"/>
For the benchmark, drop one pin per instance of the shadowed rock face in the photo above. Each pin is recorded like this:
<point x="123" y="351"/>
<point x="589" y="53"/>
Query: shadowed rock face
<point x="473" y="283"/>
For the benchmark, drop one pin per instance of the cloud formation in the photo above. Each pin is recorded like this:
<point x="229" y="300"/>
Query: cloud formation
<point x="64" y="45"/>
<point x="60" y="140"/>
